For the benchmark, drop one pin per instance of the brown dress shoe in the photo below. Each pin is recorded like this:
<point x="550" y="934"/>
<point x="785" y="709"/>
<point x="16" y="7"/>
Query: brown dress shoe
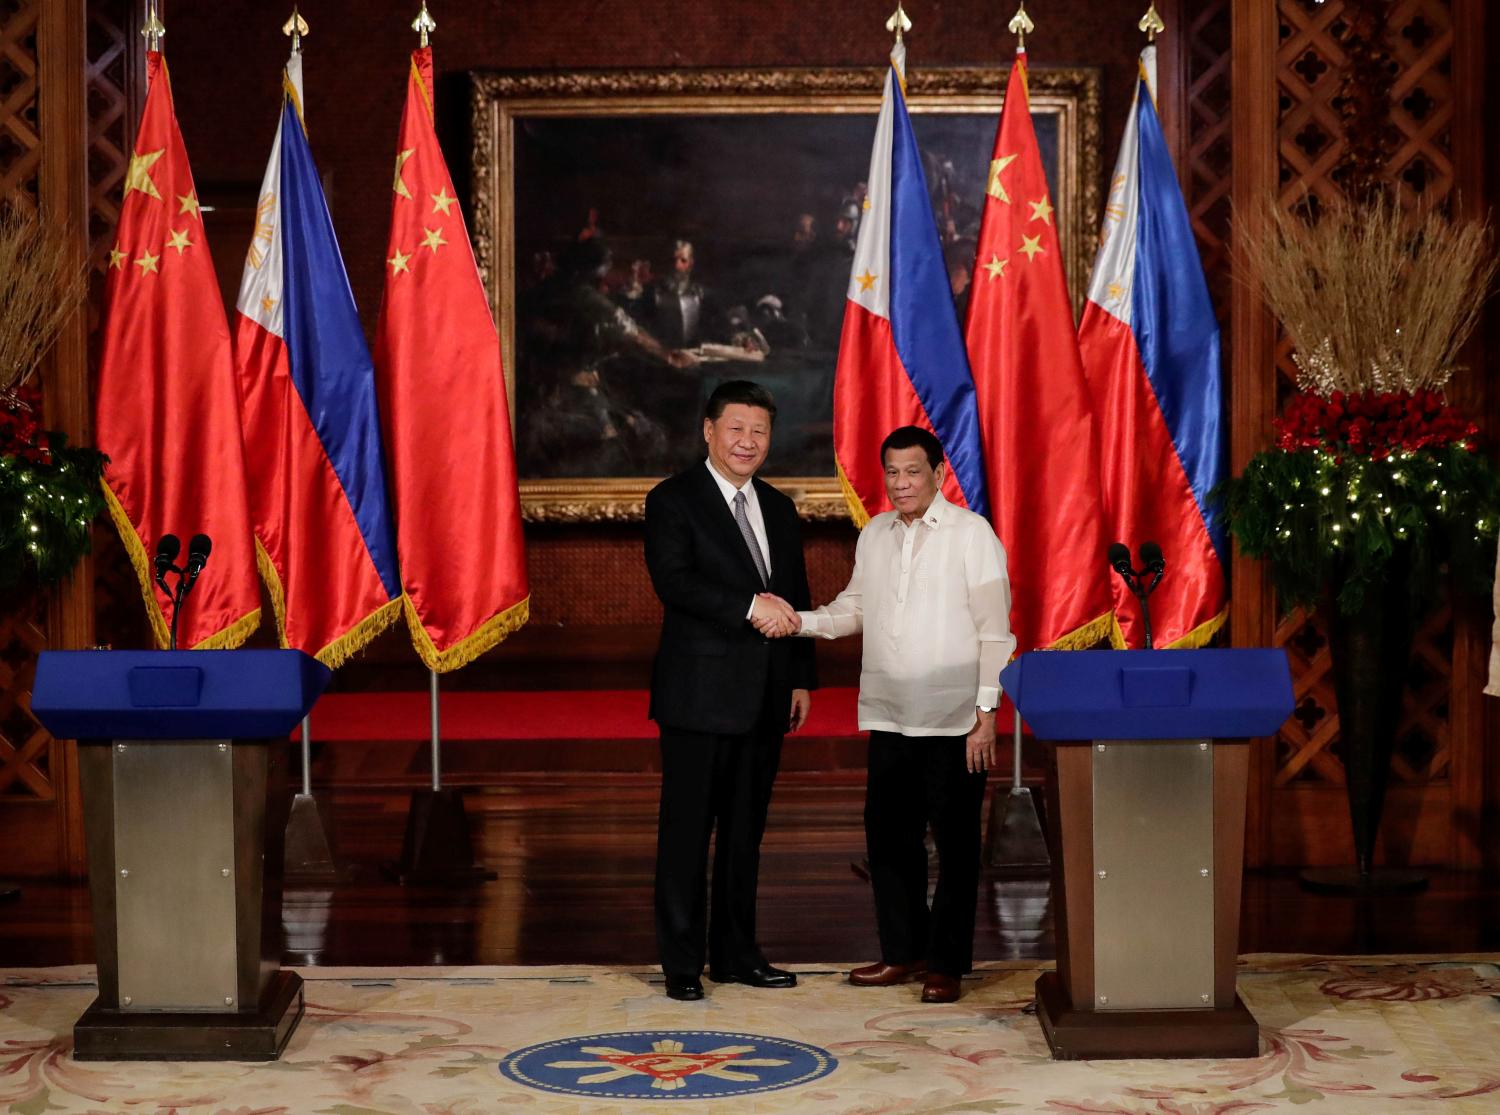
<point x="886" y="975"/>
<point x="940" y="988"/>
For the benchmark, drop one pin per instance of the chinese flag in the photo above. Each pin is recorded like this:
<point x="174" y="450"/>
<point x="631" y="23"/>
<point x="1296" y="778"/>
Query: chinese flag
<point x="167" y="410"/>
<point x="443" y="404"/>
<point x="1040" y="448"/>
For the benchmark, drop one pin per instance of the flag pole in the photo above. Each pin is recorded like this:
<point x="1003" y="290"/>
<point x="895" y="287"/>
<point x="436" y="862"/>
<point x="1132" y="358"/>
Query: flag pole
<point x="424" y="25"/>
<point x="297" y="28"/>
<point x="437" y="848"/>
<point x="1014" y="845"/>
<point x="1152" y="23"/>
<point x="1020" y="26"/>
<point x="437" y="735"/>
<point x="899" y="21"/>
<point x="153" y="30"/>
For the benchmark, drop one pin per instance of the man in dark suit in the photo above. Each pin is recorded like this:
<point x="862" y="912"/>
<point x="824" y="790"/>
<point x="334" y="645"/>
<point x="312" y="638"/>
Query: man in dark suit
<point x="725" y="554"/>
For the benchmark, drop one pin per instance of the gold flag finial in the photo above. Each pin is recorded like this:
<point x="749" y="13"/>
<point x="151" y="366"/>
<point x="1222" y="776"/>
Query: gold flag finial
<point x="424" y="24"/>
<point x="898" y="22"/>
<point x="152" y="30"/>
<point x="1151" y="23"/>
<point x="1021" y="26"/>
<point x="296" y="27"/>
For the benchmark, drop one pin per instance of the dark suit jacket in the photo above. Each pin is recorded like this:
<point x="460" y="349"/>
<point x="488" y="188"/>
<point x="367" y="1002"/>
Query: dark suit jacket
<point x="713" y="671"/>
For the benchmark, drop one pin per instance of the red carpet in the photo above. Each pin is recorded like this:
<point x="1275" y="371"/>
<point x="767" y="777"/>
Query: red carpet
<point x="545" y="714"/>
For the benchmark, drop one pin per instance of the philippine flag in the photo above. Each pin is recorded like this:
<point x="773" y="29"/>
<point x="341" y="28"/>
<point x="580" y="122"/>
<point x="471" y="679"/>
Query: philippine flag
<point x="325" y="538"/>
<point x="901" y="359"/>
<point x="1150" y="347"/>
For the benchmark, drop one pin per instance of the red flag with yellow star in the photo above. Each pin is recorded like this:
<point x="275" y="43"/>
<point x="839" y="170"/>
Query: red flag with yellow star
<point x="167" y="411"/>
<point x="443" y="404"/>
<point x="1035" y="413"/>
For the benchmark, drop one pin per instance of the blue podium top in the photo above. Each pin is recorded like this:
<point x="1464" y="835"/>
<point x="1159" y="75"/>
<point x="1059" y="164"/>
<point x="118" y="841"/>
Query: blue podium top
<point x="1151" y="694"/>
<point x="175" y="694"/>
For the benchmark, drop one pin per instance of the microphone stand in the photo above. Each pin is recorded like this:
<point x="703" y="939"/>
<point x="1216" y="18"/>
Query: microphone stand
<point x="1134" y="580"/>
<point x="175" y="595"/>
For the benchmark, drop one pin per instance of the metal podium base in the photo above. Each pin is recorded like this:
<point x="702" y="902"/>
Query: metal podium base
<point x="1094" y="1035"/>
<point x="259" y="1035"/>
<point x="1349" y="880"/>
<point x="438" y="850"/>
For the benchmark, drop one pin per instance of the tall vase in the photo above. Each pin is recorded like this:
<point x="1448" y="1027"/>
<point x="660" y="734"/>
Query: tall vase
<point x="1370" y="652"/>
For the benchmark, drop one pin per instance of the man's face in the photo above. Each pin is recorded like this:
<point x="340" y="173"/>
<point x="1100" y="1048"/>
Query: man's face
<point x="738" y="440"/>
<point x="910" y="482"/>
<point x="682" y="260"/>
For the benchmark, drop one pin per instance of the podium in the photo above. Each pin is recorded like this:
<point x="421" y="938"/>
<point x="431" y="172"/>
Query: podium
<point x="1147" y="768"/>
<point x="182" y="768"/>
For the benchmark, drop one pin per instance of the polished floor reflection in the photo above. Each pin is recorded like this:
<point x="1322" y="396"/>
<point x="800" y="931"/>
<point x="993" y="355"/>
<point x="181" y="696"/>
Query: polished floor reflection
<point x="574" y="855"/>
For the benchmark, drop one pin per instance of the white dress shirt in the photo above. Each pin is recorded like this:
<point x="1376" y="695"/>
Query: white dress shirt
<point x="752" y="512"/>
<point x="933" y="600"/>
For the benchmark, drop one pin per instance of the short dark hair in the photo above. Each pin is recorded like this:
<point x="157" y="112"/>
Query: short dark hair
<point x="744" y="391"/>
<point x="908" y="436"/>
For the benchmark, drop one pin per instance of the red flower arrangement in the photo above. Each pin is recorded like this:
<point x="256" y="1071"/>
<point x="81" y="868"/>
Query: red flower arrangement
<point x="1373" y="424"/>
<point x="21" y="434"/>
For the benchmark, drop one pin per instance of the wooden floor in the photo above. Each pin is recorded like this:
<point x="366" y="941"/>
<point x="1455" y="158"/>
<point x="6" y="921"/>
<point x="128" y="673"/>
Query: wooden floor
<point x="574" y="855"/>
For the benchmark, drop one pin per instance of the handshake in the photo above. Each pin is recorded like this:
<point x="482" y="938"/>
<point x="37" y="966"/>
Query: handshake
<point x="773" y="617"/>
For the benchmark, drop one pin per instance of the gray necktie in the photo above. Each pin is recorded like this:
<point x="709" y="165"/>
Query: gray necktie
<point x="742" y="518"/>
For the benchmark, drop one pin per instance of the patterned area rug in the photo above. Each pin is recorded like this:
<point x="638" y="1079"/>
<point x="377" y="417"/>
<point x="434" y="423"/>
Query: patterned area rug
<point x="1345" y="1035"/>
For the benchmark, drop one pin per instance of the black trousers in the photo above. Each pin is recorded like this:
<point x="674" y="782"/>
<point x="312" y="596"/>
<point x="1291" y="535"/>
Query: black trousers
<point x="707" y="782"/>
<point x="915" y="782"/>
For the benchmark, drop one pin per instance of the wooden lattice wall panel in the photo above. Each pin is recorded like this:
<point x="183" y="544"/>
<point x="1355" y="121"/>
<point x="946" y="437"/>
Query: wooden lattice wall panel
<point x="1208" y="179"/>
<point x="20" y="138"/>
<point x="25" y="746"/>
<point x="1319" y="140"/>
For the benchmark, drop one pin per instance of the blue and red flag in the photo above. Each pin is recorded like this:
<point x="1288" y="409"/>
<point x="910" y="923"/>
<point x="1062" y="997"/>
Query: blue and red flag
<point x="901" y="356"/>
<point x="1150" y="347"/>
<point x="325" y="540"/>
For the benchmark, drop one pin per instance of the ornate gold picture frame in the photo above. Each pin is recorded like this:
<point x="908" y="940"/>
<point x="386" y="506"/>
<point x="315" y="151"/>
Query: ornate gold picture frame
<point x="586" y="186"/>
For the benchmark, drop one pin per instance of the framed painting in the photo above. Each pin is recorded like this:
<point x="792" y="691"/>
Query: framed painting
<point x="646" y="235"/>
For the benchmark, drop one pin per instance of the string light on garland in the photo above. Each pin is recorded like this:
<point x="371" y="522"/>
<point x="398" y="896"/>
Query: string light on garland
<point x="49" y="497"/>
<point x="1313" y="506"/>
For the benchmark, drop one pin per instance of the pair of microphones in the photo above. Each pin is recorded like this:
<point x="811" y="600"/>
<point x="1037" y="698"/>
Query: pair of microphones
<point x="1153" y="565"/>
<point x="187" y="574"/>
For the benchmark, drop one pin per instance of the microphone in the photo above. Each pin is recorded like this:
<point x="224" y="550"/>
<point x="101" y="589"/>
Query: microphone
<point x="1151" y="558"/>
<point x="166" y="553"/>
<point x="1152" y="562"/>
<point x="200" y="545"/>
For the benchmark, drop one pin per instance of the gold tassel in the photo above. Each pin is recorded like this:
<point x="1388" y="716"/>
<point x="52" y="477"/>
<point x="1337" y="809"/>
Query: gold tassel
<point x="857" y="510"/>
<point x="1088" y="635"/>
<point x="487" y="636"/>
<point x="226" y="638"/>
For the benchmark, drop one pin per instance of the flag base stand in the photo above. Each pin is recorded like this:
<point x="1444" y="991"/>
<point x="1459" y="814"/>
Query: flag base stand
<point x="1349" y="880"/>
<point x="438" y="849"/>
<point x="1016" y="847"/>
<point x="308" y="858"/>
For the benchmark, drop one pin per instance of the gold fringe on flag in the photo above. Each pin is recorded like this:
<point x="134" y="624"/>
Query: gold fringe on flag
<point x="487" y="636"/>
<point x="347" y="645"/>
<point x="1195" y="639"/>
<point x="226" y="638"/>
<point x="1090" y="634"/>
<point x="856" y="506"/>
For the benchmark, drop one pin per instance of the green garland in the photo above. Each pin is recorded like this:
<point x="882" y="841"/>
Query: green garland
<point x="46" y="508"/>
<point x="1337" y="520"/>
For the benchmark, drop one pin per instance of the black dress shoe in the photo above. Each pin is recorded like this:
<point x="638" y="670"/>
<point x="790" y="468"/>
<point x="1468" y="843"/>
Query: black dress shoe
<point x="763" y="975"/>
<point x="683" y="989"/>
